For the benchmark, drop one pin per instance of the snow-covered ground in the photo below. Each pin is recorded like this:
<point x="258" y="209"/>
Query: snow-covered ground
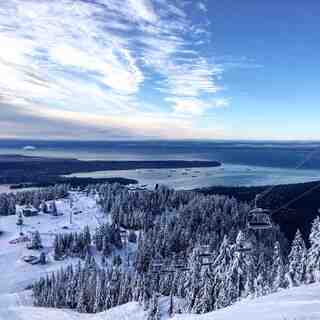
<point x="129" y="311"/>
<point x="301" y="303"/>
<point x="15" y="274"/>
<point x="5" y="188"/>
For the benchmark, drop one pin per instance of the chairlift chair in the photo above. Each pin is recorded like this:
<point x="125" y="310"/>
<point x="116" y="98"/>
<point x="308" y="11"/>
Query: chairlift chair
<point x="205" y="252"/>
<point x="207" y="264"/>
<point x="180" y="263"/>
<point x="259" y="219"/>
<point x="166" y="271"/>
<point x="156" y="265"/>
<point x="205" y="255"/>
<point x="179" y="266"/>
<point x="156" y="271"/>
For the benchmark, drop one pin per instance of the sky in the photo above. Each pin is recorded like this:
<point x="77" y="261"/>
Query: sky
<point x="159" y="69"/>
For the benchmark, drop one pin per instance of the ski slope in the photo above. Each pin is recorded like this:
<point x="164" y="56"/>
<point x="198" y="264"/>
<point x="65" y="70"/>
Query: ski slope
<point x="301" y="303"/>
<point x="15" y="274"/>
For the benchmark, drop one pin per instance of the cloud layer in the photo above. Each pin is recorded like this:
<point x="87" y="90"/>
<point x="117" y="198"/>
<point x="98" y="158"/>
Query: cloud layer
<point x="106" y="68"/>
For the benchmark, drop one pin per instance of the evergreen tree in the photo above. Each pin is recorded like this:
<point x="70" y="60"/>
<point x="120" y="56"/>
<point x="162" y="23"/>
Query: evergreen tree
<point x="278" y="270"/>
<point x="205" y="300"/>
<point x="154" y="311"/>
<point x="194" y="279"/>
<point x="313" y="263"/>
<point x="297" y="260"/>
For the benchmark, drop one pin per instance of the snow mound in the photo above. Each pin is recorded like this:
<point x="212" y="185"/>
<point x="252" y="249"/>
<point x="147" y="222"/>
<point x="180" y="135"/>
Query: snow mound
<point x="302" y="303"/>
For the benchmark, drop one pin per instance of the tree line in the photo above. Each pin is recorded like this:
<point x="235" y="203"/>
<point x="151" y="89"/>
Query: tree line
<point x="175" y="226"/>
<point x="36" y="198"/>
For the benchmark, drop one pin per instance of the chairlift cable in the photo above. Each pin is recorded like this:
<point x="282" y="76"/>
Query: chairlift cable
<point x="306" y="159"/>
<point x="297" y="198"/>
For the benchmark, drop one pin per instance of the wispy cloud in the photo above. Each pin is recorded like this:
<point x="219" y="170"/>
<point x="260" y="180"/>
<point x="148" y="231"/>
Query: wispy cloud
<point x="91" y="63"/>
<point x="202" y="6"/>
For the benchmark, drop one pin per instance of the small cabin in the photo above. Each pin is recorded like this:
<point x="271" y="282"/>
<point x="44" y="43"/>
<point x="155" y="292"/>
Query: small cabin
<point x="29" y="210"/>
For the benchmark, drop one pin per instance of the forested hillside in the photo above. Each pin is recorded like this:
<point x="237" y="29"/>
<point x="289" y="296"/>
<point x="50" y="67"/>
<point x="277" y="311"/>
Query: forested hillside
<point x="189" y="246"/>
<point x="293" y="206"/>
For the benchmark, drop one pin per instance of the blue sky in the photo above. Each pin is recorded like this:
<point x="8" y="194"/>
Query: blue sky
<point x="144" y="69"/>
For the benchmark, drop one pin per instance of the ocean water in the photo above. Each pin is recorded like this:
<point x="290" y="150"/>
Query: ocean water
<point x="226" y="175"/>
<point x="244" y="162"/>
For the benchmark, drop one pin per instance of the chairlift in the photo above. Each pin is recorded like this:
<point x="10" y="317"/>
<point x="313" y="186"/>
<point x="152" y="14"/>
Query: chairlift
<point x="259" y="219"/>
<point x="156" y="271"/>
<point x="166" y="271"/>
<point x="205" y="252"/>
<point x="156" y="265"/>
<point x="205" y="248"/>
<point x="205" y="255"/>
<point x="207" y="264"/>
<point x="179" y="266"/>
<point x="180" y="263"/>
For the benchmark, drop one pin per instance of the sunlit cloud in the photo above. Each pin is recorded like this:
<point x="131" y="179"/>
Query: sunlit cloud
<point x="89" y="64"/>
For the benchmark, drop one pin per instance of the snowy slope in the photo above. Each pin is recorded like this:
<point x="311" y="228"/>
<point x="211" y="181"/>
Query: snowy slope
<point x="15" y="274"/>
<point x="301" y="303"/>
<point x="129" y="311"/>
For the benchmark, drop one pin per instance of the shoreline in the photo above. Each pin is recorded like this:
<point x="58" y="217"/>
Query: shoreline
<point x="18" y="169"/>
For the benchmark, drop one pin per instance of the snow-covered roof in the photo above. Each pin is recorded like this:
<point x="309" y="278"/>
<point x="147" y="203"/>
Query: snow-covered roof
<point x="27" y="207"/>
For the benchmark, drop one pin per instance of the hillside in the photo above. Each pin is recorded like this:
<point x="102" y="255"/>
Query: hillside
<point x="116" y="270"/>
<point x="293" y="206"/>
<point x="301" y="303"/>
<point x="16" y="274"/>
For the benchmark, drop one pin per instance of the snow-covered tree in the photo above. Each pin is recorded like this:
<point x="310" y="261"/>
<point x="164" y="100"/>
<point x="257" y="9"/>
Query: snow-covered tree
<point x="205" y="300"/>
<point x="278" y="269"/>
<point x="194" y="279"/>
<point x="170" y="225"/>
<point x="297" y="260"/>
<point x="313" y="264"/>
<point x="154" y="311"/>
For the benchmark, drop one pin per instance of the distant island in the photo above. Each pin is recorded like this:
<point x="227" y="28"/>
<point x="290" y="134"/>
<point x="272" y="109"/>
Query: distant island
<point x="19" y="169"/>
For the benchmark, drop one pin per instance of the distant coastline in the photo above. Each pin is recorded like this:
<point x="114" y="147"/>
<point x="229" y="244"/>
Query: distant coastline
<point x="18" y="169"/>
